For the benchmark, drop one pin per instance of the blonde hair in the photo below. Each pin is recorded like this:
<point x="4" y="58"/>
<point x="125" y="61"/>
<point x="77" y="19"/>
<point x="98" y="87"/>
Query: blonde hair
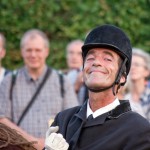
<point x="141" y="53"/>
<point x="32" y="34"/>
<point x="74" y="42"/>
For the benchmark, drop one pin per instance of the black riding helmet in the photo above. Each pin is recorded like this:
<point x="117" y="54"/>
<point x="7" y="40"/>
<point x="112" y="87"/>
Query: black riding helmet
<point x="111" y="37"/>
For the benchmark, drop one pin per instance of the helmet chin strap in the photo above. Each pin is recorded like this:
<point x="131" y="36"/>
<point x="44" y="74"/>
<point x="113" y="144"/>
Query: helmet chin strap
<point x="116" y="82"/>
<point x="119" y="75"/>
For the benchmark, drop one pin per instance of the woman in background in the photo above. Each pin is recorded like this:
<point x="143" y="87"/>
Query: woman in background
<point x="139" y="92"/>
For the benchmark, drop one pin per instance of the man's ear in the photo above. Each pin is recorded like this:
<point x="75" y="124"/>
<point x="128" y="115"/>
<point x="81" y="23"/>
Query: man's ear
<point x="47" y="52"/>
<point x="2" y="53"/>
<point x="122" y="79"/>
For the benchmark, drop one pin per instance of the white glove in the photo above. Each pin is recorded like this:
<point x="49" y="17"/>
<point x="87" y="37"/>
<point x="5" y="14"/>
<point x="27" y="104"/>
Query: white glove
<point x="55" y="141"/>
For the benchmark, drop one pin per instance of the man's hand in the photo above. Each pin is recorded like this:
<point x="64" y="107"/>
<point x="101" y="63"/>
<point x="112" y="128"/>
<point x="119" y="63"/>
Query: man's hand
<point x="55" y="141"/>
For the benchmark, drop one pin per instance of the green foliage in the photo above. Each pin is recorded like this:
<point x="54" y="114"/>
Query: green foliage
<point x="65" y="20"/>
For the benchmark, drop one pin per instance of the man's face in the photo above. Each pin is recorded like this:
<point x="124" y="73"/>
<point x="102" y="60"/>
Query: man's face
<point x="34" y="53"/>
<point x="100" y="68"/>
<point x="138" y="68"/>
<point x="74" y="56"/>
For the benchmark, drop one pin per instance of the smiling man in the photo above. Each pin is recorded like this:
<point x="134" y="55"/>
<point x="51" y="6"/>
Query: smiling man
<point x="103" y="122"/>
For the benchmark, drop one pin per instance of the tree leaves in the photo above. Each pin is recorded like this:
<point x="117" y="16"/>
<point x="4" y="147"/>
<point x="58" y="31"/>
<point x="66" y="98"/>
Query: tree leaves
<point x="64" y="21"/>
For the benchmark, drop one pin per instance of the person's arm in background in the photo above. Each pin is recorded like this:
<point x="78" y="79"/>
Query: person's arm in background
<point x="70" y="97"/>
<point x="5" y="113"/>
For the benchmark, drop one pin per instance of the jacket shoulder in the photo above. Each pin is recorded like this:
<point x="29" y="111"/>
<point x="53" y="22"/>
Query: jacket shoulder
<point x="63" y="117"/>
<point x="70" y="112"/>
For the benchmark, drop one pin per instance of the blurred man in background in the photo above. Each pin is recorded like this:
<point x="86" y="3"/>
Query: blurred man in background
<point x="74" y="55"/>
<point x="36" y="91"/>
<point x="75" y="64"/>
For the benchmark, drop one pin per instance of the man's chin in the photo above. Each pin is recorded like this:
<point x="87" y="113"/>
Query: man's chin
<point x="96" y="87"/>
<point x="99" y="85"/>
<point x="33" y="67"/>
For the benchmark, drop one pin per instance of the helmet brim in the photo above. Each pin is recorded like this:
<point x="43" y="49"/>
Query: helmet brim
<point x="87" y="47"/>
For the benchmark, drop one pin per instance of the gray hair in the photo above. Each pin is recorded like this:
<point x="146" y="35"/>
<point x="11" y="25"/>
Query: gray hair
<point x="32" y="34"/>
<point x="144" y="55"/>
<point x="2" y="38"/>
<point x="74" y="42"/>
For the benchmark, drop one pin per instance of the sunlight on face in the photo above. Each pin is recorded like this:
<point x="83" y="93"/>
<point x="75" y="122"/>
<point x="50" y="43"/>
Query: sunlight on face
<point x="100" y="68"/>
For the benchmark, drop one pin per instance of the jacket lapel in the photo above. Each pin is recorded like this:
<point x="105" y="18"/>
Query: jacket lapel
<point x="75" y="126"/>
<point x="79" y="121"/>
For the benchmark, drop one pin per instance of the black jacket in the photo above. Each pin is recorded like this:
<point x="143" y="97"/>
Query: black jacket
<point x="119" y="129"/>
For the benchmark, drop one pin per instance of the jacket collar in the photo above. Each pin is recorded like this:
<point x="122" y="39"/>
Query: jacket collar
<point x="120" y="110"/>
<point x="82" y="112"/>
<point x="123" y="108"/>
<point x="79" y="121"/>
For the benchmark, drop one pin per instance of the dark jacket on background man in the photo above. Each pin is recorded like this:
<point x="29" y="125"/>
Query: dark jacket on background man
<point x="112" y="130"/>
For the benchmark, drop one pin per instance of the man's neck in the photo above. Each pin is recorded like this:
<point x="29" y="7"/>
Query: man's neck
<point x="36" y="73"/>
<point x="100" y="99"/>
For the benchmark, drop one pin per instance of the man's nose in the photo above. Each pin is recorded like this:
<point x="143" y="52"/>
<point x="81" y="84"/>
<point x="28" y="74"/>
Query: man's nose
<point x="97" y="62"/>
<point x="33" y="53"/>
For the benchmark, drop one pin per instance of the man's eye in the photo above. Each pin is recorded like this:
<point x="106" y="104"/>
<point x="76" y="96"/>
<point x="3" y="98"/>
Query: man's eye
<point x="28" y="50"/>
<point x="91" y="58"/>
<point x="107" y="59"/>
<point x="71" y="53"/>
<point x="38" y="50"/>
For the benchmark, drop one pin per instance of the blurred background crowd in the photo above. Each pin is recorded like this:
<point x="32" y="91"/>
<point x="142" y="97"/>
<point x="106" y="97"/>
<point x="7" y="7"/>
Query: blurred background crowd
<point x="42" y="40"/>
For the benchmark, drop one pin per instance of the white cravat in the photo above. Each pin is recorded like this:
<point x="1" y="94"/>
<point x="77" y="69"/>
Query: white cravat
<point x="102" y="110"/>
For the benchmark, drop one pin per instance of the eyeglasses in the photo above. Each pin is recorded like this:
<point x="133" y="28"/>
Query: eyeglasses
<point x="138" y="65"/>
